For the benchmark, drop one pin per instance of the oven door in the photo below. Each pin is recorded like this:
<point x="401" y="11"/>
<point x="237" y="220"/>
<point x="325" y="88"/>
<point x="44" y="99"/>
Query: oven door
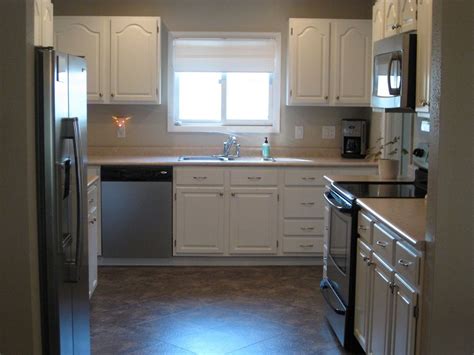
<point x="339" y="244"/>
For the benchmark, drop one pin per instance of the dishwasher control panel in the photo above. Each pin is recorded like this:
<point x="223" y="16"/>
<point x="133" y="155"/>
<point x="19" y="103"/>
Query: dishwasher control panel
<point x="137" y="173"/>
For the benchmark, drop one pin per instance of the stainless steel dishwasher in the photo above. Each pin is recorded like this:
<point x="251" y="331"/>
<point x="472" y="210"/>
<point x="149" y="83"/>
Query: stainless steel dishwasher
<point x="136" y="211"/>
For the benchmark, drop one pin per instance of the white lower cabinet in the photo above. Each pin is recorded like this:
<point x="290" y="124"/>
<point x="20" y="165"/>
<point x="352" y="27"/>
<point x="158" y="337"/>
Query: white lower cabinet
<point x="92" y="233"/>
<point x="199" y="220"/>
<point x="253" y="221"/>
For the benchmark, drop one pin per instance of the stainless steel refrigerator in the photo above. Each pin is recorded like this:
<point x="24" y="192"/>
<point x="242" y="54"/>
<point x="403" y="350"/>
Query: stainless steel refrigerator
<point x="61" y="110"/>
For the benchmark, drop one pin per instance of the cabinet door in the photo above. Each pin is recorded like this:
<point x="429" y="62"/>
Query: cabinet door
<point x="351" y="62"/>
<point x="134" y="60"/>
<point x="391" y="18"/>
<point x="308" y="62"/>
<point x="47" y="16"/>
<point x="380" y="308"/>
<point x="404" y="318"/>
<point x="423" y="57"/>
<point x="92" y="248"/>
<point x="362" y="294"/>
<point x="253" y="221"/>
<point x="407" y="15"/>
<point x="37" y="19"/>
<point x="88" y="37"/>
<point x="199" y="220"/>
<point x="378" y="17"/>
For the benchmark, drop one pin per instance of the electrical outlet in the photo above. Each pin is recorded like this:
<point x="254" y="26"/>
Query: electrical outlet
<point x="121" y="132"/>
<point x="299" y="132"/>
<point x="329" y="132"/>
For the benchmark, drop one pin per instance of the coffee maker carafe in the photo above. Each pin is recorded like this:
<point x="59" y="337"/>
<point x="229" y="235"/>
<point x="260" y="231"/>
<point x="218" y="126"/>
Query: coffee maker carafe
<point x="354" y="138"/>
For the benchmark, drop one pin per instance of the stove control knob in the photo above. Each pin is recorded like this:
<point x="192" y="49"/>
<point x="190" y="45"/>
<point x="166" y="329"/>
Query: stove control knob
<point x="419" y="152"/>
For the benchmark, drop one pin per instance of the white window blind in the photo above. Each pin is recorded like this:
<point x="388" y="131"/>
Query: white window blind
<point x="224" y="55"/>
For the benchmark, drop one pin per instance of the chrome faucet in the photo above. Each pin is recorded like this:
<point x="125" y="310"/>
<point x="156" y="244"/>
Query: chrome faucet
<point x="228" y="145"/>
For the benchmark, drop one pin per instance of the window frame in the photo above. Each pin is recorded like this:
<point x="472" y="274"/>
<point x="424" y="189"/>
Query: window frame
<point x="227" y="126"/>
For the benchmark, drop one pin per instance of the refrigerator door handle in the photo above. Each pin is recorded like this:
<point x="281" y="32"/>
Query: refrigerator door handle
<point x="72" y="131"/>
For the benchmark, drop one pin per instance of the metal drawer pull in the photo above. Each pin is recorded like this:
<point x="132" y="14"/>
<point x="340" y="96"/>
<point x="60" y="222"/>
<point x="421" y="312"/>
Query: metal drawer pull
<point x="404" y="262"/>
<point x="91" y="200"/>
<point x="381" y="243"/>
<point x="363" y="228"/>
<point x="221" y="194"/>
<point x="306" y="245"/>
<point x="308" y="178"/>
<point x="307" y="228"/>
<point x="93" y="221"/>
<point x="307" y="203"/>
<point x="199" y="177"/>
<point x="163" y="172"/>
<point x="254" y="177"/>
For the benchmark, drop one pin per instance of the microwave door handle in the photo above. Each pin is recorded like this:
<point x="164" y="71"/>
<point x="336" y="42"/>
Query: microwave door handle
<point x="391" y="90"/>
<point x="337" y="207"/>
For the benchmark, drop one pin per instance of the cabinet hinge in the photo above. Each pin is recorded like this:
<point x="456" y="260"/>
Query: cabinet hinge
<point x="291" y="31"/>
<point x="278" y="197"/>
<point x="175" y="242"/>
<point x="278" y="243"/>
<point x="157" y="29"/>
<point x="175" y="196"/>
<point x="291" y="93"/>
<point x="415" y="312"/>
<point x="156" y="91"/>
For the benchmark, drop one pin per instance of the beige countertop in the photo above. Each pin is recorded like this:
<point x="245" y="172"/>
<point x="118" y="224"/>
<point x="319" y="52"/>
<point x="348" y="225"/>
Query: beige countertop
<point x="407" y="216"/>
<point x="243" y="161"/>
<point x="91" y="179"/>
<point x="363" y="178"/>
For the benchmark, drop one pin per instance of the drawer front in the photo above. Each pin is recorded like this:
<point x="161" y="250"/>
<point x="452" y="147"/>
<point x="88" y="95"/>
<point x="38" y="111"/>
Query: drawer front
<point x="303" y="245"/>
<point x="304" y="202"/>
<point x="92" y="198"/>
<point x="253" y="177"/>
<point x="203" y="176"/>
<point x="303" y="227"/>
<point x="407" y="262"/>
<point x="383" y="244"/>
<point x="364" y="227"/>
<point x="304" y="177"/>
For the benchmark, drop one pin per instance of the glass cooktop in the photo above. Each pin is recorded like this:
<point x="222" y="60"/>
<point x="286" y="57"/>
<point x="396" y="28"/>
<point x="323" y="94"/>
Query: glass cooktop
<point x="387" y="190"/>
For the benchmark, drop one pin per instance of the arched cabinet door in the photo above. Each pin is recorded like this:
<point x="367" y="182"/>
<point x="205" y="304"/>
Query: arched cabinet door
<point x="87" y="37"/>
<point x="134" y="60"/>
<point x="308" y="62"/>
<point x="407" y="15"/>
<point x="378" y="20"/>
<point x="391" y="22"/>
<point x="351" y="62"/>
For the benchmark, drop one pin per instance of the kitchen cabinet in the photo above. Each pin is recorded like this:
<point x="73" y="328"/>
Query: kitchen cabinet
<point x="92" y="234"/>
<point x="400" y="16"/>
<point x="199" y="220"/>
<point x="315" y="46"/>
<point x="423" y="56"/>
<point x="123" y="56"/>
<point x="253" y="220"/>
<point x="378" y="17"/>
<point x="43" y="12"/>
<point x="94" y="170"/>
<point x="87" y="37"/>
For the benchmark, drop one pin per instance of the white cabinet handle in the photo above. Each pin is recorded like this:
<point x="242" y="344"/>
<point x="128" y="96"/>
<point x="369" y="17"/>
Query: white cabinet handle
<point x="308" y="178"/>
<point x="307" y="228"/>
<point x="199" y="178"/>
<point x="381" y="243"/>
<point x="404" y="263"/>
<point x="307" y="203"/>
<point x="254" y="177"/>
<point x="306" y="245"/>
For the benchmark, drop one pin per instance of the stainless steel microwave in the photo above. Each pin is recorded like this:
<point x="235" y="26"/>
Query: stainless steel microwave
<point x="394" y="73"/>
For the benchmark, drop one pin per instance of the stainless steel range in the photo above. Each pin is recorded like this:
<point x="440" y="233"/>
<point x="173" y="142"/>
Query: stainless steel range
<point x="338" y="288"/>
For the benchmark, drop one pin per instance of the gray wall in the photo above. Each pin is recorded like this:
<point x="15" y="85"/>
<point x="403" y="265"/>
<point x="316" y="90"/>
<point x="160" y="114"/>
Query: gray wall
<point x="149" y="124"/>
<point x="448" y="299"/>
<point x="19" y="293"/>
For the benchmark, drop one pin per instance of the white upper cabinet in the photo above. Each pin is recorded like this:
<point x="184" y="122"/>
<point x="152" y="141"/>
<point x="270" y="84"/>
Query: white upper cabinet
<point x="351" y="63"/>
<point x="43" y="23"/>
<point x="400" y="16"/>
<point x="308" y="62"/>
<point x="378" y="17"/>
<point x="134" y="60"/>
<point x="329" y="62"/>
<point x="122" y="53"/>
<point x="423" y="56"/>
<point x="88" y="37"/>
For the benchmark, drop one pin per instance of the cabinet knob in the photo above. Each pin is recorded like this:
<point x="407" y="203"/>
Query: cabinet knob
<point x="425" y="103"/>
<point x="112" y="95"/>
<point x="221" y="194"/>
<point x="337" y="97"/>
<point x="100" y="94"/>
<point x="233" y="194"/>
<point x="326" y="97"/>
<point x="396" y="26"/>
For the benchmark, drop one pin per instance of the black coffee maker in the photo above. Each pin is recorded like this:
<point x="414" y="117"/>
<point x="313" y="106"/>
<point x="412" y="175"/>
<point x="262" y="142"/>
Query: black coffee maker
<point x="354" y="138"/>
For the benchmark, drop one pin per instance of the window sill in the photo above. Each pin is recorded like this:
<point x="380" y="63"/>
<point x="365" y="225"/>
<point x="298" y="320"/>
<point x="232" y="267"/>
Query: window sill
<point x="223" y="129"/>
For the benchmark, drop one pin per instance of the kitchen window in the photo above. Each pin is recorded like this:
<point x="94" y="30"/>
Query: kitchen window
<point x="224" y="82"/>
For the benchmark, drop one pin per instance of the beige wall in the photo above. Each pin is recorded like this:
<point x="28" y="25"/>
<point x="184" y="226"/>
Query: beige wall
<point x="19" y="292"/>
<point x="149" y="124"/>
<point x="448" y="301"/>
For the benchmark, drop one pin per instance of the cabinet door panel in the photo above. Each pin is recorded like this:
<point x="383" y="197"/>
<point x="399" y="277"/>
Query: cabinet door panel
<point x="407" y="15"/>
<point x="391" y="18"/>
<point x="423" y="57"/>
<point x="253" y="221"/>
<point x="134" y="60"/>
<point x="362" y="294"/>
<point x="303" y="202"/>
<point x="309" y="62"/>
<point x="88" y="37"/>
<point x="378" y="17"/>
<point x="200" y="220"/>
<point x="352" y="48"/>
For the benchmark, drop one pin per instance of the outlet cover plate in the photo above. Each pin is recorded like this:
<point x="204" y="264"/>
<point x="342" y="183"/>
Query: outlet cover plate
<point x="299" y="132"/>
<point x="329" y="132"/>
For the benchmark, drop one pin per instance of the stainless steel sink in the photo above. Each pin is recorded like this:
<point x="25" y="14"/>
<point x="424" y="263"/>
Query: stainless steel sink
<point x="202" y="158"/>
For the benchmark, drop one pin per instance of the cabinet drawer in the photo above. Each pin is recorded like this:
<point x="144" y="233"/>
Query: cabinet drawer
<point x="303" y="245"/>
<point x="364" y="227"/>
<point x="202" y="176"/>
<point x="303" y="227"/>
<point x="383" y="244"/>
<point x="303" y="202"/>
<point x="304" y="177"/>
<point x="407" y="262"/>
<point x="92" y="198"/>
<point x="253" y="177"/>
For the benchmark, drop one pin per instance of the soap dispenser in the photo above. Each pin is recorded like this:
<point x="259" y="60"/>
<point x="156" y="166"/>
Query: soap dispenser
<point x="266" y="149"/>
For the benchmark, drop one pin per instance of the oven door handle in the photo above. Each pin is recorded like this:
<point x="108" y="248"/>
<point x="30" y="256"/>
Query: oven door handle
<point x="325" y="286"/>
<point x="340" y="208"/>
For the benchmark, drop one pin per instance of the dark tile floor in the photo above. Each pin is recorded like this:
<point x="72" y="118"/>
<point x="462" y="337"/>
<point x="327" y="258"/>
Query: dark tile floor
<point x="210" y="310"/>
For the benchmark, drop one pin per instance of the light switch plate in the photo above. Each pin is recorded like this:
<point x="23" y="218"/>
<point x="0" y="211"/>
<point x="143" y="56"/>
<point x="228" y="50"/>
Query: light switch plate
<point x="329" y="132"/>
<point x="299" y="132"/>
